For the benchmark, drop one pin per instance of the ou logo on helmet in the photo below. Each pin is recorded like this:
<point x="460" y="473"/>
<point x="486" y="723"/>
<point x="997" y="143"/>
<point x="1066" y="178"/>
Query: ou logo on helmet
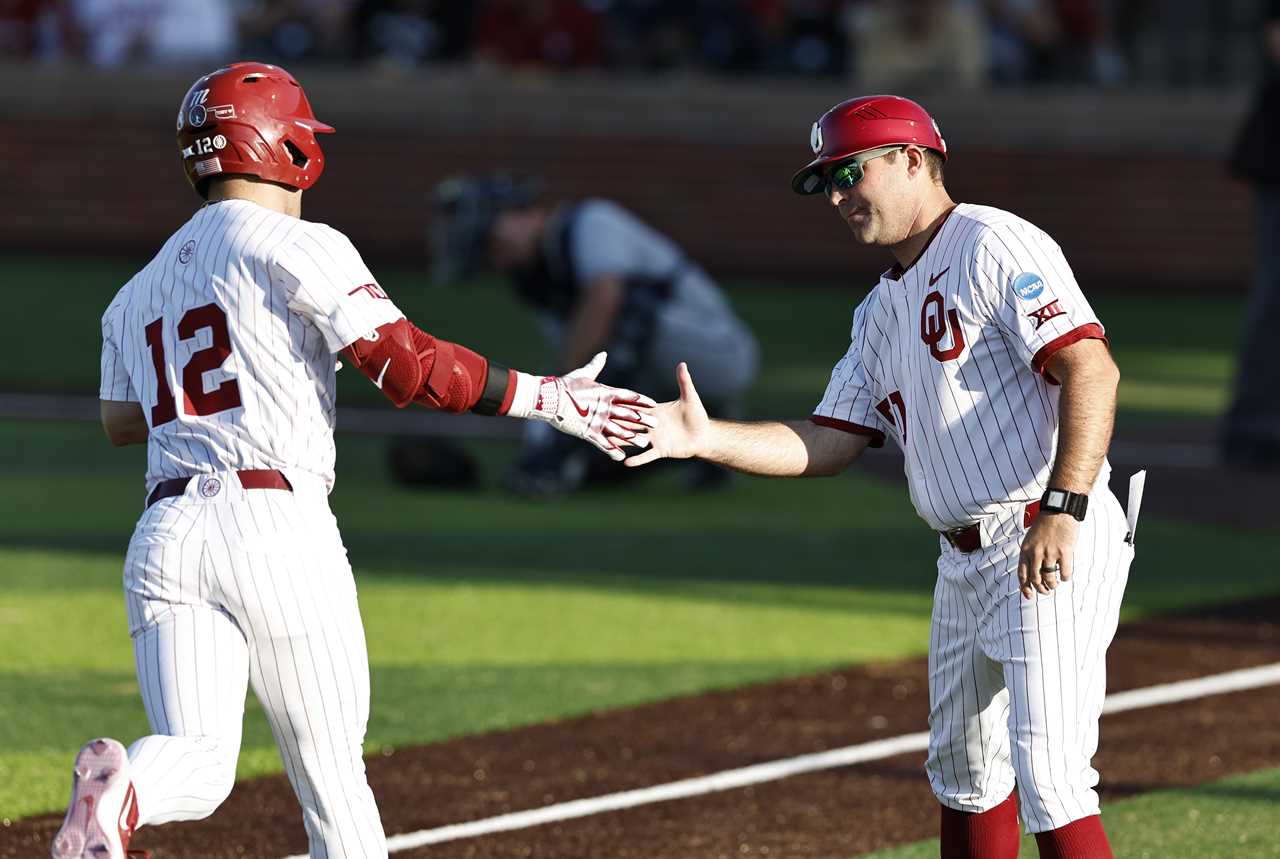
<point x="815" y="139"/>
<point x="935" y="322"/>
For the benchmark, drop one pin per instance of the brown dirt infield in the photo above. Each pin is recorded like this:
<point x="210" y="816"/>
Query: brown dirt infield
<point x="836" y="813"/>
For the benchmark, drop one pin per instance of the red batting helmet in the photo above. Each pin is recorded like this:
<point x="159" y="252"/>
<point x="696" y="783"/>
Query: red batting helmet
<point x="250" y="118"/>
<point x="860" y="124"/>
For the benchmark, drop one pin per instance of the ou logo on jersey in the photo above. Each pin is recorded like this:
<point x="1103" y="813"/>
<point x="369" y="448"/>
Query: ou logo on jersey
<point x="936" y="322"/>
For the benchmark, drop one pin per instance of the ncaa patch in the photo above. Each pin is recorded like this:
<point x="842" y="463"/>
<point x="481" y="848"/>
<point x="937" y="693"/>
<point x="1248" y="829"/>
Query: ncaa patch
<point x="1028" y="285"/>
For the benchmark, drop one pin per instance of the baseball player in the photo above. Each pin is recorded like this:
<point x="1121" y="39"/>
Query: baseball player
<point x="596" y="277"/>
<point x="979" y="356"/>
<point x="220" y="356"/>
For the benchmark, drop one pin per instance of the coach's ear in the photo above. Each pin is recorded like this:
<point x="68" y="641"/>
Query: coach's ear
<point x="916" y="162"/>
<point x="124" y="422"/>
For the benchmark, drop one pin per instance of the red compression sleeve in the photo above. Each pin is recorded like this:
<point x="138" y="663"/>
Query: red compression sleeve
<point x="411" y="366"/>
<point x="453" y="375"/>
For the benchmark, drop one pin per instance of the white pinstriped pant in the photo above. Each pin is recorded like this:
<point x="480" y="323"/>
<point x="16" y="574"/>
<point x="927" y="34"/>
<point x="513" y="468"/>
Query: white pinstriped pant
<point x="236" y="586"/>
<point x="1003" y="667"/>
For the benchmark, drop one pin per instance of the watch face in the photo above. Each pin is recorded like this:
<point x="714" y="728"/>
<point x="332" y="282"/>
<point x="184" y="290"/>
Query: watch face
<point x="1061" y="501"/>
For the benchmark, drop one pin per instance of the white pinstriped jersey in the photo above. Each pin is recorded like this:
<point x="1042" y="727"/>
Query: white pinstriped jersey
<point x="227" y="339"/>
<point x="947" y="357"/>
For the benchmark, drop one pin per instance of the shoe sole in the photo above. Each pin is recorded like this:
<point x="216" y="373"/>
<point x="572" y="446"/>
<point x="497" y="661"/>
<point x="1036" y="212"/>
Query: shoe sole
<point x="96" y="772"/>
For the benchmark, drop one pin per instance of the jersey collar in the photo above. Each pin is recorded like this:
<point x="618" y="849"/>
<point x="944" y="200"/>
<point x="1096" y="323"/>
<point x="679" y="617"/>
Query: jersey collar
<point x="896" y="271"/>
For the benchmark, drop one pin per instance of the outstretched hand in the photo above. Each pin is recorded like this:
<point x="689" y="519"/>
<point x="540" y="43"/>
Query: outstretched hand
<point x="580" y="406"/>
<point x="680" y="429"/>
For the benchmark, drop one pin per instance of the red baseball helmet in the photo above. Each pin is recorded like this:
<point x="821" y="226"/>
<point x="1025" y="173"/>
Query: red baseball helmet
<point x="860" y="124"/>
<point x="250" y="118"/>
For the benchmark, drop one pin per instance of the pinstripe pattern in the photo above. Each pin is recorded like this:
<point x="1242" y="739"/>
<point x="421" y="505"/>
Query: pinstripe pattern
<point x="250" y="586"/>
<point x="284" y="285"/>
<point x="1017" y="686"/>
<point x="959" y="338"/>
<point x="981" y="428"/>
<point x="226" y="587"/>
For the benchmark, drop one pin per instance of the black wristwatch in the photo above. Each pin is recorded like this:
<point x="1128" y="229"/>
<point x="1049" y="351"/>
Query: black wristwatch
<point x="1062" y="501"/>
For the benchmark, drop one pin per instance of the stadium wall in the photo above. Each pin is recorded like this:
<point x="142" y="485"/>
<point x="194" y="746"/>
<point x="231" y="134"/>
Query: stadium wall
<point x="1131" y="183"/>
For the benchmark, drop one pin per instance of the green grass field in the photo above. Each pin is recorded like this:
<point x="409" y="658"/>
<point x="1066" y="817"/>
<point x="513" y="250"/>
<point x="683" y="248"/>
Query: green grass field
<point x="1176" y="352"/>
<point x="467" y="633"/>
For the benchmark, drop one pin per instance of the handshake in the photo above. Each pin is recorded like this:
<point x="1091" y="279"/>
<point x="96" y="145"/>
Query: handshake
<point x="614" y="418"/>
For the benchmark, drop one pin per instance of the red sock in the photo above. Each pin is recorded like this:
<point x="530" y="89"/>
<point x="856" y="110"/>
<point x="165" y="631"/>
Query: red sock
<point x="1079" y="839"/>
<point x="993" y="834"/>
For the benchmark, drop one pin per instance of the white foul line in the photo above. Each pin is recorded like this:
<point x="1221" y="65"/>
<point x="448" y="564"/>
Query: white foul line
<point x="1186" y="690"/>
<point x="1152" y="696"/>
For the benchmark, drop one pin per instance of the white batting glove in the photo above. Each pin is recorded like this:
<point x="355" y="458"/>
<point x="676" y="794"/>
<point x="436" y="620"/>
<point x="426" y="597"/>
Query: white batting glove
<point x="580" y="406"/>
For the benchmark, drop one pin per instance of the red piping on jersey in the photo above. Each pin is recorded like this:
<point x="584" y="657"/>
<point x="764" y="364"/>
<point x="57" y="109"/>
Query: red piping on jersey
<point x="896" y="271"/>
<point x="1088" y="331"/>
<point x="877" y="437"/>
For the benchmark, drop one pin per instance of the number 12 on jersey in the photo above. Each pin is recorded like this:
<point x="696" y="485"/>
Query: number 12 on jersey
<point x="888" y="405"/>
<point x="195" y="399"/>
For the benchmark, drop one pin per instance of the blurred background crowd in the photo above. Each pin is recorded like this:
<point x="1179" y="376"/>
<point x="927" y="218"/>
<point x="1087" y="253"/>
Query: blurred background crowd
<point x="880" y="44"/>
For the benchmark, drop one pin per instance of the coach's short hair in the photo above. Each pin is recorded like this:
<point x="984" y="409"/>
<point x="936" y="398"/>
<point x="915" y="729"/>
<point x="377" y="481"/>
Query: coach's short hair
<point x="933" y="162"/>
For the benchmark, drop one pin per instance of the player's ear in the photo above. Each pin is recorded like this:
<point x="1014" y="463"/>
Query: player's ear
<point x="916" y="162"/>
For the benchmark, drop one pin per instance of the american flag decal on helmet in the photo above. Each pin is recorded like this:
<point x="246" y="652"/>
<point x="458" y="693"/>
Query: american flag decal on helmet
<point x="207" y="166"/>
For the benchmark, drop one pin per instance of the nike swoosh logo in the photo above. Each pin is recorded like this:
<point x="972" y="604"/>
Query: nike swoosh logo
<point x="937" y="276"/>
<point x="128" y="817"/>
<point x="378" y="381"/>
<point x="581" y="411"/>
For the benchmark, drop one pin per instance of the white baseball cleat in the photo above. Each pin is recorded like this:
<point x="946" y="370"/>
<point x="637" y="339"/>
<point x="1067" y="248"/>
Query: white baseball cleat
<point x="103" y="810"/>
